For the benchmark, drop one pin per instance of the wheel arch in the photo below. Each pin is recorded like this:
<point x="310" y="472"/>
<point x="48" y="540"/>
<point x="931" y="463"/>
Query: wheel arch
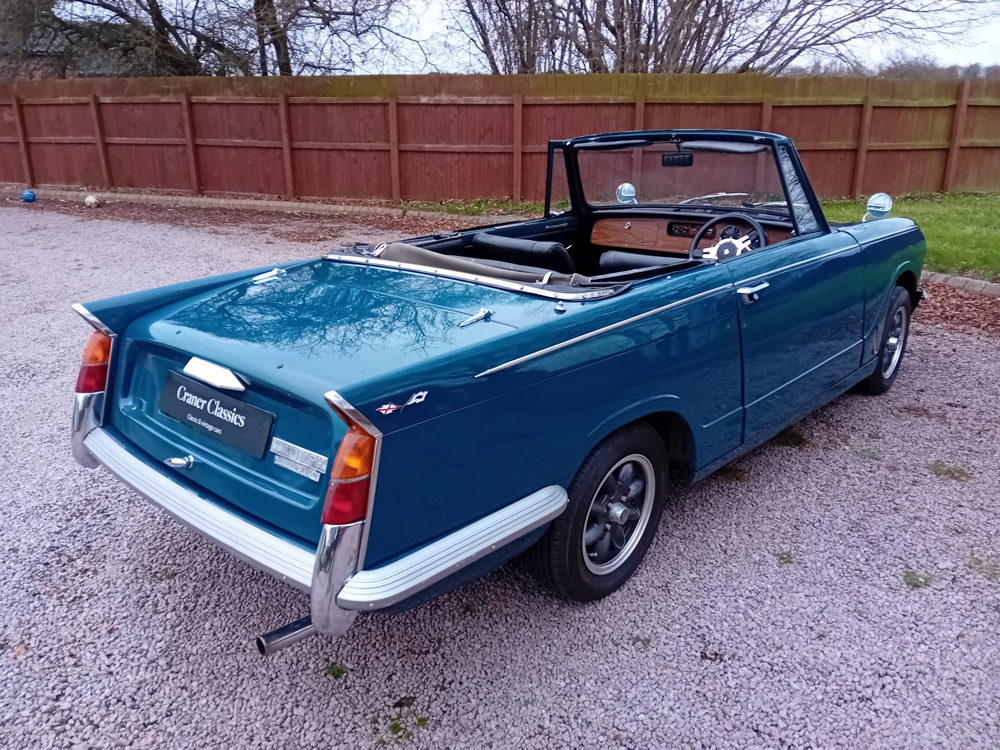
<point x="908" y="280"/>
<point x="667" y="415"/>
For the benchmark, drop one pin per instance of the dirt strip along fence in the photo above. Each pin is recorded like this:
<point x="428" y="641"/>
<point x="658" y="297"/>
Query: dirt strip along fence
<point x="434" y="137"/>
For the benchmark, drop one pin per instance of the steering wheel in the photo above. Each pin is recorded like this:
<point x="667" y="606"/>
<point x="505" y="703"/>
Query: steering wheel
<point x="756" y="225"/>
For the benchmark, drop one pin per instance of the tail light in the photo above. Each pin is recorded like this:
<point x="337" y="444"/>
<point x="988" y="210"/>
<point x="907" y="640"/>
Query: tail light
<point x="350" y="479"/>
<point x="93" y="377"/>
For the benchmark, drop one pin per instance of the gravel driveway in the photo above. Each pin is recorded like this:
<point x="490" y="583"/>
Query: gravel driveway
<point x="829" y="590"/>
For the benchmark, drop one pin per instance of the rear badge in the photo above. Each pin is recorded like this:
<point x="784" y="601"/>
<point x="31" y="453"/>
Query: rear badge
<point x="294" y="458"/>
<point x="389" y="408"/>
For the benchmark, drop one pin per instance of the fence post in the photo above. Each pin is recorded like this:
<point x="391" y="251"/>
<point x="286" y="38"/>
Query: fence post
<point x="639" y="124"/>
<point x="191" y="146"/>
<point x="22" y="140"/>
<point x="516" y="193"/>
<point x="286" y="146"/>
<point x="102" y="147"/>
<point x="957" y="132"/>
<point x="397" y="192"/>
<point x="863" y="135"/>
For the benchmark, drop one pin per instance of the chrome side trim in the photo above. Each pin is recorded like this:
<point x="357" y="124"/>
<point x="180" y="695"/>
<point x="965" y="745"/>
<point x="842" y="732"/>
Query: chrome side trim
<point x="260" y="548"/>
<point x="392" y="583"/>
<point x="213" y="374"/>
<point x="511" y="286"/>
<point x="336" y="562"/>
<point x="86" y="410"/>
<point x="84" y="313"/>
<point x="345" y="406"/>
<point x="599" y="331"/>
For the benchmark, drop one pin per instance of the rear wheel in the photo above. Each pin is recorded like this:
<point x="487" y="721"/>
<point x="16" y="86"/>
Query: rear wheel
<point x="895" y="332"/>
<point x="615" y="503"/>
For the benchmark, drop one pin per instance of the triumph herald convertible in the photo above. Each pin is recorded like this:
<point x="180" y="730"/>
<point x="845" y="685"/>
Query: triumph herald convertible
<point x="386" y="423"/>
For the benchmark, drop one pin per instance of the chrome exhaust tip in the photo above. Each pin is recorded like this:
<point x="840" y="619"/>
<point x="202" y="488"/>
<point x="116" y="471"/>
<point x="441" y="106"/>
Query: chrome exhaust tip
<point x="285" y="636"/>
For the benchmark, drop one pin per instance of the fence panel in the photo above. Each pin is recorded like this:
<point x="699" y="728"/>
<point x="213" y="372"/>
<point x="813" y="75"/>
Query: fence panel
<point x="455" y="136"/>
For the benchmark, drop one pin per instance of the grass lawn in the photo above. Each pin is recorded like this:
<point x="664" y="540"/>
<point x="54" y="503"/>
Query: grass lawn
<point x="962" y="230"/>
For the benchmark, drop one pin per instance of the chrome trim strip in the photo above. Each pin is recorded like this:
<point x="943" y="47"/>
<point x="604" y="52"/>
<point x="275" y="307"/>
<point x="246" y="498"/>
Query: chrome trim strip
<point x="392" y="583"/>
<point x="86" y="408"/>
<point x="599" y="331"/>
<point x="213" y="374"/>
<point x="345" y="406"/>
<point x="84" y="313"/>
<point x="260" y="548"/>
<point x="336" y="562"/>
<point x="512" y="286"/>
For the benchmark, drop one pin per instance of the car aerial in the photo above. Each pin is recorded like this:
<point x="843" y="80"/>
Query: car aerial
<point x="383" y="424"/>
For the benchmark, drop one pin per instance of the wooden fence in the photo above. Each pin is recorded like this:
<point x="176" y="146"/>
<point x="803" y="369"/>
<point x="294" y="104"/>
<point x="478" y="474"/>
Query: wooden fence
<point x="442" y="136"/>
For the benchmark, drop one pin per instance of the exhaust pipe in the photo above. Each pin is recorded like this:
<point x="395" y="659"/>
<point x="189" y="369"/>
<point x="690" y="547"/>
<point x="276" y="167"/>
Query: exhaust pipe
<point x="285" y="636"/>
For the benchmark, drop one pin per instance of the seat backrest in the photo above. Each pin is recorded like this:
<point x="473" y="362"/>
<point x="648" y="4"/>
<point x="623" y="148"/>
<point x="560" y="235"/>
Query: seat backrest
<point x="551" y="255"/>
<point x="614" y="261"/>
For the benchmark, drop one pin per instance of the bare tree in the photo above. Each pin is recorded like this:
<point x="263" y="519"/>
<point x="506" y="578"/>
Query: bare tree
<point x="698" y="36"/>
<point x="207" y="37"/>
<point x="513" y="36"/>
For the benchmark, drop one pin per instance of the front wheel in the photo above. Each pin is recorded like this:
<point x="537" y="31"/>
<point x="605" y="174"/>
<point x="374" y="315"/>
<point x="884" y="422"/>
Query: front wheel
<point x="615" y="503"/>
<point x="895" y="332"/>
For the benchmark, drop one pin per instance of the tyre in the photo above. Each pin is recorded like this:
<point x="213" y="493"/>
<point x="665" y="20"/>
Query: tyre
<point x="895" y="331"/>
<point x="615" y="503"/>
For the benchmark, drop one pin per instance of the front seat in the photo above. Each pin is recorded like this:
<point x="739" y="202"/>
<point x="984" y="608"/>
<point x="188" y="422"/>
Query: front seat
<point x="550" y="255"/>
<point x="614" y="261"/>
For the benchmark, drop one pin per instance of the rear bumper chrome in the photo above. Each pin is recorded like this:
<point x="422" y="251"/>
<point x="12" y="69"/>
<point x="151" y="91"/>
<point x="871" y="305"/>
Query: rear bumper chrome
<point x="392" y="583"/>
<point x="329" y="574"/>
<point x="253" y="544"/>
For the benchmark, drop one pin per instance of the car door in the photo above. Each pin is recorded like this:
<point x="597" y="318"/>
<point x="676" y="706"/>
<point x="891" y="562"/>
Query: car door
<point x="801" y="313"/>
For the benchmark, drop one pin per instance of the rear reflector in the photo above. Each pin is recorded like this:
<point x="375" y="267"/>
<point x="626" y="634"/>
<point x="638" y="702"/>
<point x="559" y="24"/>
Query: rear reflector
<point x="93" y="376"/>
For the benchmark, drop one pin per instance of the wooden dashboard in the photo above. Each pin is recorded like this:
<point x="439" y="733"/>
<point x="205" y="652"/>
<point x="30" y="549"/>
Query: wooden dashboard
<point x="662" y="235"/>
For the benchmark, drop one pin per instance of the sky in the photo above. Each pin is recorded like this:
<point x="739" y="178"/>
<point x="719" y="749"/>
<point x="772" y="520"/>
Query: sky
<point x="981" y="45"/>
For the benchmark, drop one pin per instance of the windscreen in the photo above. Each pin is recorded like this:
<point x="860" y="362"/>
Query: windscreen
<point x="693" y="172"/>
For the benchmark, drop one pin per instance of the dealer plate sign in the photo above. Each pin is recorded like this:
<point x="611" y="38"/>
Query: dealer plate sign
<point x="215" y="414"/>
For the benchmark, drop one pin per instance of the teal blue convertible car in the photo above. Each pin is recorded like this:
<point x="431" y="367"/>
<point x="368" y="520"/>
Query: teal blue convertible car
<point x="383" y="424"/>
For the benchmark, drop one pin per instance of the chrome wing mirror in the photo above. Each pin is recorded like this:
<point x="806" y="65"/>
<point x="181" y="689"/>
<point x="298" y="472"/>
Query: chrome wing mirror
<point x="878" y="206"/>
<point x="626" y="193"/>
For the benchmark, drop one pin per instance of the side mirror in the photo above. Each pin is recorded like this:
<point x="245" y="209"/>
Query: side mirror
<point x="878" y="206"/>
<point x="626" y="193"/>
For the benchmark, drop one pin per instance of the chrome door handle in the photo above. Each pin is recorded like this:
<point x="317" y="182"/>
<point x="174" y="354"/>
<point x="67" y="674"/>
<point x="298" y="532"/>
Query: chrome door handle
<point x="752" y="293"/>
<point x="180" y="463"/>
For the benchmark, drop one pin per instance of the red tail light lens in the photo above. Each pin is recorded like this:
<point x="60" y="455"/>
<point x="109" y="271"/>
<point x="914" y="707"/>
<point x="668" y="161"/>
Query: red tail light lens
<point x="350" y="479"/>
<point x="346" y="502"/>
<point x="93" y="377"/>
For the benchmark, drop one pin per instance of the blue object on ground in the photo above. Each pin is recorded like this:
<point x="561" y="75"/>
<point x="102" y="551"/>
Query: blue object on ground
<point x="28" y="196"/>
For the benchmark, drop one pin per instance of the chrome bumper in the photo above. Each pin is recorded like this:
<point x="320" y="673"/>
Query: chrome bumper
<point x="329" y="574"/>
<point x="86" y="409"/>
<point x="322" y="575"/>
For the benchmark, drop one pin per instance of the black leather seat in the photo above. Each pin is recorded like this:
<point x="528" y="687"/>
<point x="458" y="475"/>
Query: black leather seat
<point x="550" y="255"/>
<point x="614" y="261"/>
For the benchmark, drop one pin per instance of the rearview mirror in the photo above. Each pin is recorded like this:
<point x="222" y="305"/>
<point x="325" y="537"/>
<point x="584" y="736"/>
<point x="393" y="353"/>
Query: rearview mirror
<point x="878" y="206"/>
<point x="626" y="193"/>
<point x="671" y="159"/>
